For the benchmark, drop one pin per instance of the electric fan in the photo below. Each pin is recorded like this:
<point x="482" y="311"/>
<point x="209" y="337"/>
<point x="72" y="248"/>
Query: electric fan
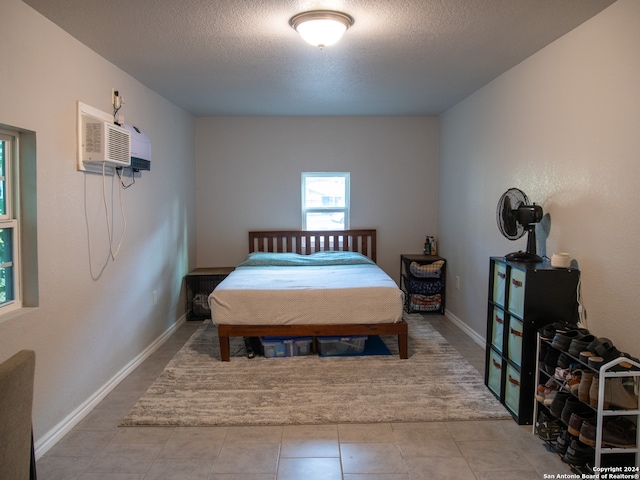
<point x="516" y="215"/>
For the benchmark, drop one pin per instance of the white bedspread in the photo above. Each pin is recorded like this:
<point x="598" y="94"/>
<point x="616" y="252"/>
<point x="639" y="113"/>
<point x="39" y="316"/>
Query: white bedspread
<point x="304" y="295"/>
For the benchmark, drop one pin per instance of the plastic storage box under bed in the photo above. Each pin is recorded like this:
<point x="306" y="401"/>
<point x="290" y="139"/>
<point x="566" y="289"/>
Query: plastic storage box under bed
<point x="335" y="346"/>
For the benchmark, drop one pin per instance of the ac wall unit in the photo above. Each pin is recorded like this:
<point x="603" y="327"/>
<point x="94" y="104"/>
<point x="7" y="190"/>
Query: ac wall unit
<point x="104" y="142"/>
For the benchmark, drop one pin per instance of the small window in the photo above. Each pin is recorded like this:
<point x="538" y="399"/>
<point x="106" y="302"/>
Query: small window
<point x="325" y="200"/>
<point x="9" y="231"/>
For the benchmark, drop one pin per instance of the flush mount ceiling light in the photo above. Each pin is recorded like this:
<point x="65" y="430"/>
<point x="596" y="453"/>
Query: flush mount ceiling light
<point x="321" y="27"/>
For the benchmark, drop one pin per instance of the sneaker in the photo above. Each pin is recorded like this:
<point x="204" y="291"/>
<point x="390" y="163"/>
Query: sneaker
<point x="548" y="428"/>
<point x="544" y="390"/>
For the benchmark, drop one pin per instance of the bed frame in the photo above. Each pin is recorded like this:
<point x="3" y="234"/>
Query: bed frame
<point x="307" y="242"/>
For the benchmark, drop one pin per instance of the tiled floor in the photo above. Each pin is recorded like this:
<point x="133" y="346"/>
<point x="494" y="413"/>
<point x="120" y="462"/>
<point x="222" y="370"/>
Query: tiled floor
<point x="97" y="449"/>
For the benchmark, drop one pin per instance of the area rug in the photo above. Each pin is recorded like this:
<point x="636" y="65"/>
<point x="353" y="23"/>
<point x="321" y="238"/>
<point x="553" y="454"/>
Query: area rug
<point x="434" y="384"/>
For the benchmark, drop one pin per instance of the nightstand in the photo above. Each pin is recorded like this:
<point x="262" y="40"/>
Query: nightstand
<point x="424" y="288"/>
<point x="200" y="283"/>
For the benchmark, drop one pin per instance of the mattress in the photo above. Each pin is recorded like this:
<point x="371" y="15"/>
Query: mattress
<point x="293" y="289"/>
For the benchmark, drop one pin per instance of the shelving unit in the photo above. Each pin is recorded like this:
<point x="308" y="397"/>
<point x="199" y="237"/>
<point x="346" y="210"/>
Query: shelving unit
<point x="523" y="297"/>
<point x="423" y="294"/>
<point x="604" y="372"/>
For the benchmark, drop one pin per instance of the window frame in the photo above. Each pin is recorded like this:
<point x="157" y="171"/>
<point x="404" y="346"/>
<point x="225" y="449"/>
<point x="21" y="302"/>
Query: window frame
<point x="330" y="209"/>
<point x="9" y="220"/>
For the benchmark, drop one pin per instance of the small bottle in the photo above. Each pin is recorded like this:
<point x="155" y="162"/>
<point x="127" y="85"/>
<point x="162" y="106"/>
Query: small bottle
<point x="427" y="246"/>
<point x="434" y="250"/>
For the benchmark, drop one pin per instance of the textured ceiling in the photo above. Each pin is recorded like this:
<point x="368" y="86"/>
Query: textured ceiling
<point x="241" y="57"/>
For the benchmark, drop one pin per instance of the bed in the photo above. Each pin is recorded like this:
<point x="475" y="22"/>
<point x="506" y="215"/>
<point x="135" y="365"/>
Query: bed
<point x="311" y="284"/>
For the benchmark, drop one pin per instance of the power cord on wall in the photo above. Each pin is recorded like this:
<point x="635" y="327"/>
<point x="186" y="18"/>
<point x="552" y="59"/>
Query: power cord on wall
<point x="120" y="172"/>
<point x="582" y="312"/>
<point x="106" y="211"/>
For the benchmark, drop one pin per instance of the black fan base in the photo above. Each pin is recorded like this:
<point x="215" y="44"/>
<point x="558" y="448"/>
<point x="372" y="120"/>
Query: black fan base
<point x="522" y="257"/>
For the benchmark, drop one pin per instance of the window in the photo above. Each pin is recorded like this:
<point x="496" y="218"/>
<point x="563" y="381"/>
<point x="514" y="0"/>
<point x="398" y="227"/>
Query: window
<point x="325" y="201"/>
<point x="9" y="240"/>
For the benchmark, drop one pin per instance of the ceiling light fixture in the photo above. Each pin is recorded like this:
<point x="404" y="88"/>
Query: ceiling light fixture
<point x="321" y="27"/>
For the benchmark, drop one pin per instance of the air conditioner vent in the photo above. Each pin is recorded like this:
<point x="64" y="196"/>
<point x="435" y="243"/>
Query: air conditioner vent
<point x="101" y="141"/>
<point x="118" y="147"/>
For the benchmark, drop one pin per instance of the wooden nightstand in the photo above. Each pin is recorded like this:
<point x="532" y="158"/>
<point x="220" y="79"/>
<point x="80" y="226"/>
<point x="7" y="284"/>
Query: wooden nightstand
<point x="200" y="283"/>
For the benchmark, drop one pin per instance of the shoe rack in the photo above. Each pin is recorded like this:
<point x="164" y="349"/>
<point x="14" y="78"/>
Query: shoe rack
<point x="606" y="372"/>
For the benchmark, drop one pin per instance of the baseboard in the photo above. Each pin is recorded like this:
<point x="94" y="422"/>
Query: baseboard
<point x="49" y="439"/>
<point x="465" y="328"/>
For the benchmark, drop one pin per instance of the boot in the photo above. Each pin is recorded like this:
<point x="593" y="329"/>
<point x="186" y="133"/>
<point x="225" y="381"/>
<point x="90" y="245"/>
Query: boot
<point x="585" y="385"/>
<point x="614" y="394"/>
<point x="593" y="393"/>
<point x="619" y="396"/>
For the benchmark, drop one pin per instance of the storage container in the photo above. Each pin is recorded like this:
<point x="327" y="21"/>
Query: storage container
<point x="422" y="287"/>
<point x="285" y="346"/>
<point x="515" y="340"/>
<point x="334" y="346"/>
<point x="497" y="328"/>
<point x="512" y="390"/>
<point x="516" y="292"/>
<point x="494" y="371"/>
<point x="425" y="303"/>
<point x="499" y="280"/>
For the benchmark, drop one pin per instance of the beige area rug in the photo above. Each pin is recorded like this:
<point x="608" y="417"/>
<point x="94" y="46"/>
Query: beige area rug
<point x="434" y="384"/>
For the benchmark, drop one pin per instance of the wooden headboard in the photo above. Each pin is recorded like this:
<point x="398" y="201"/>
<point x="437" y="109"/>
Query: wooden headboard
<point x="310" y="241"/>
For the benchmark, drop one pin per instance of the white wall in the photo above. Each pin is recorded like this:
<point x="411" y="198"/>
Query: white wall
<point x="90" y="325"/>
<point x="249" y="168"/>
<point x="564" y="126"/>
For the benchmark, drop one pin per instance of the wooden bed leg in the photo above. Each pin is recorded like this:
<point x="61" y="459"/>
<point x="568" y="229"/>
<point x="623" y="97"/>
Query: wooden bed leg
<point x="403" y="345"/>
<point x="225" y="353"/>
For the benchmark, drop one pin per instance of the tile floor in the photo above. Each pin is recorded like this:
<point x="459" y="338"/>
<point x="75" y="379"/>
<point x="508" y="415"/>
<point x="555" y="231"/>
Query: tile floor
<point x="97" y="449"/>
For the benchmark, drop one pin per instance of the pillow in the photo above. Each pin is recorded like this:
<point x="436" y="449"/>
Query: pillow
<point x="288" y="259"/>
<point x="433" y="270"/>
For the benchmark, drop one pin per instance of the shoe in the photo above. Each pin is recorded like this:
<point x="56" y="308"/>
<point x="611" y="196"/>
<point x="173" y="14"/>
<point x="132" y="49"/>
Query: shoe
<point x="580" y="344"/>
<point x="615" y="394"/>
<point x="593" y="394"/>
<point x="574" y="406"/>
<point x="616" y="432"/>
<point x="564" y="361"/>
<point x="600" y="345"/>
<point x="618" y="396"/>
<point x="549" y="397"/>
<point x="551" y="361"/>
<point x="562" y="340"/>
<point x="562" y="374"/>
<point x="612" y="353"/>
<point x="563" y="441"/>
<point x="547" y="427"/>
<point x="576" y="421"/>
<point x="595" y="362"/>
<point x="584" y="386"/>
<point x="585" y="356"/>
<point x="548" y="331"/>
<point x="546" y="392"/>
<point x="578" y="454"/>
<point x="558" y="404"/>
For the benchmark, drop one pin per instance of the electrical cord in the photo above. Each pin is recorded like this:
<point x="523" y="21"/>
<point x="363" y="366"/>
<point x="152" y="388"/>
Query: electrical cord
<point x="120" y="171"/>
<point x="106" y="211"/>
